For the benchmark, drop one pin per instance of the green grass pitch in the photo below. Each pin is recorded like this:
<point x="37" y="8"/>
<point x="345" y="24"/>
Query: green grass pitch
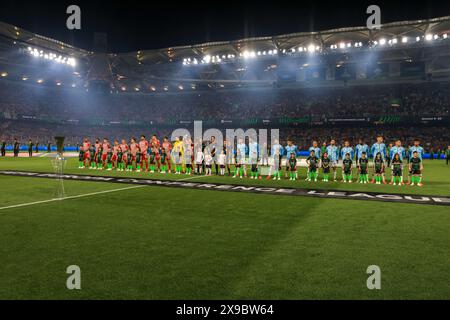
<point x="164" y="243"/>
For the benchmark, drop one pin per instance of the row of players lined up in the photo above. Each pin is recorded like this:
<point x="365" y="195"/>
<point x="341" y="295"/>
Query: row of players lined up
<point x="152" y="155"/>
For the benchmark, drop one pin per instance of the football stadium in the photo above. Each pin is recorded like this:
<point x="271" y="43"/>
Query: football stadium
<point x="308" y="165"/>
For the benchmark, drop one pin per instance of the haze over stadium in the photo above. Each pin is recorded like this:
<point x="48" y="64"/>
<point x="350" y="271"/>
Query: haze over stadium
<point x="357" y="122"/>
<point x="374" y="79"/>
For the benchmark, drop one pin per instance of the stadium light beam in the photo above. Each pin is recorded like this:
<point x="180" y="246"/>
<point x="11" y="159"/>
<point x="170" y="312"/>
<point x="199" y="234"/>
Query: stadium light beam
<point x="311" y="48"/>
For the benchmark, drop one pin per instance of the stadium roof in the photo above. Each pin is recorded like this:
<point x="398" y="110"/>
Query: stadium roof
<point x="20" y="35"/>
<point x="325" y="39"/>
<point x="152" y="70"/>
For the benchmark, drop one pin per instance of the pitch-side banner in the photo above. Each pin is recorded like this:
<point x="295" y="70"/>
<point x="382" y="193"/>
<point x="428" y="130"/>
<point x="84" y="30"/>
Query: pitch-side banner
<point x="327" y="194"/>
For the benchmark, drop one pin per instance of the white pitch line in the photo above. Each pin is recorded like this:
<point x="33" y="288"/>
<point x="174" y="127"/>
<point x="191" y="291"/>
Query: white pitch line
<point x="85" y="195"/>
<point x="70" y="197"/>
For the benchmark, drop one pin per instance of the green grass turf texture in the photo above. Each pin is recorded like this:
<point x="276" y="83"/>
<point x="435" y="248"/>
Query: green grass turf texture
<point x="165" y="243"/>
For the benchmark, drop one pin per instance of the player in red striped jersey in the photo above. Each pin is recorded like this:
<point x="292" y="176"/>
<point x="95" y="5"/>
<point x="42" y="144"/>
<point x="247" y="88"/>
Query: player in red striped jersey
<point x="167" y="146"/>
<point x="125" y="150"/>
<point x="86" y="146"/>
<point x="96" y="156"/>
<point x="154" y="153"/>
<point x="133" y="150"/>
<point x="143" y="146"/>
<point x="115" y="153"/>
<point x="106" y="146"/>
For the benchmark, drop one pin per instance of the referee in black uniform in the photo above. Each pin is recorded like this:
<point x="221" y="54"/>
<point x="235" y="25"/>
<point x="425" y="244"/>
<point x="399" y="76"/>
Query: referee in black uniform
<point x="3" y="149"/>
<point x="16" y="148"/>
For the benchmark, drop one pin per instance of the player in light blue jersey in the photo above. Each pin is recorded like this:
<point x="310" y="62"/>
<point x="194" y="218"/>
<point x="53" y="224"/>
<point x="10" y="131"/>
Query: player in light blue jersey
<point x="317" y="153"/>
<point x="333" y="155"/>
<point x="361" y="148"/>
<point x="253" y="156"/>
<point x="379" y="147"/>
<point x="316" y="149"/>
<point x="347" y="149"/>
<point x="415" y="148"/>
<point x="242" y="148"/>
<point x="398" y="149"/>
<point x="290" y="148"/>
<point x="276" y="152"/>
<point x="253" y="147"/>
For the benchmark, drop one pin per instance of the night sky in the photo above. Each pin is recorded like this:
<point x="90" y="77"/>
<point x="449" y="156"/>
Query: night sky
<point x="134" y="25"/>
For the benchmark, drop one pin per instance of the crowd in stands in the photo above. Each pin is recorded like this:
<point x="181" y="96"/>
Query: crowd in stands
<point x="429" y="99"/>
<point x="38" y="112"/>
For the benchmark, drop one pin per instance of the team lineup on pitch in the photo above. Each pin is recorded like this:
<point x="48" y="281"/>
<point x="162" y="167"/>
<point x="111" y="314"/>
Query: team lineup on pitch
<point x="244" y="161"/>
<point x="188" y="157"/>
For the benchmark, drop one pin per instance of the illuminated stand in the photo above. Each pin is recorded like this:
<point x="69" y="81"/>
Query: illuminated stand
<point x="58" y="164"/>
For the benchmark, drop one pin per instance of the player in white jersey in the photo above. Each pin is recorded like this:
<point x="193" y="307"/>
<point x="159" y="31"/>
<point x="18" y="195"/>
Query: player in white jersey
<point x="199" y="157"/>
<point x="222" y="162"/>
<point x="208" y="161"/>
